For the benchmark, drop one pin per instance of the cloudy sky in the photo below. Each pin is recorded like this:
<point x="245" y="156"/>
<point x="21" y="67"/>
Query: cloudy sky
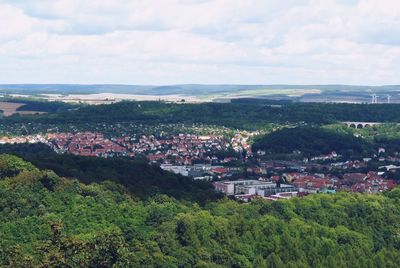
<point x="200" y="41"/>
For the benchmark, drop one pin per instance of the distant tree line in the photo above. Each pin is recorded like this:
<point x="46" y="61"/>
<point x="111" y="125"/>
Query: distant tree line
<point x="312" y="141"/>
<point x="247" y="115"/>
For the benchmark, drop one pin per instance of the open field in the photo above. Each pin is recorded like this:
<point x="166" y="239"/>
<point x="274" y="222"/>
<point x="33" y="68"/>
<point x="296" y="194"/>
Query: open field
<point x="267" y="92"/>
<point x="106" y="94"/>
<point x="106" y="98"/>
<point x="10" y="108"/>
<point x="263" y="92"/>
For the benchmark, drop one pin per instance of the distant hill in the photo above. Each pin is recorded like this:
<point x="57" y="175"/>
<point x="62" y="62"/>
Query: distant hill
<point x="306" y="93"/>
<point x="310" y="141"/>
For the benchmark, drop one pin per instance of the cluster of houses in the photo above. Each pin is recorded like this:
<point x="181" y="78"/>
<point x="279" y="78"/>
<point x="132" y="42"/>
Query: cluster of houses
<point x="86" y="144"/>
<point x="200" y="157"/>
<point x="177" y="150"/>
<point x="310" y="166"/>
<point x="240" y="142"/>
<point x="182" y="149"/>
<point x="22" y="139"/>
<point x="195" y="156"/>
<point x="367" y="183"/>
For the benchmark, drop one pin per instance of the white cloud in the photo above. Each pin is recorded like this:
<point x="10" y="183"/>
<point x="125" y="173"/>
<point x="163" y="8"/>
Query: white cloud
<point x="16" y="24"/>
<point x="203" y="41"/>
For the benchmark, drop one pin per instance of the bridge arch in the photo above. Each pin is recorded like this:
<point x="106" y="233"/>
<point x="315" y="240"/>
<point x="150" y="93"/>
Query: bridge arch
<point x="359" y="125"/>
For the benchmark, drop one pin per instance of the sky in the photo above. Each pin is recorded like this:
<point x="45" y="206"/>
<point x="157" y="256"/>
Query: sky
<point x="200" y="41"/>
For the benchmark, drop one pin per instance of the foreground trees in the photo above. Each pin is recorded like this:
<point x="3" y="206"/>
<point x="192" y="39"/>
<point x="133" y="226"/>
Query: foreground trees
<point x="48" y="221"/>
<point x="141" y="179"/>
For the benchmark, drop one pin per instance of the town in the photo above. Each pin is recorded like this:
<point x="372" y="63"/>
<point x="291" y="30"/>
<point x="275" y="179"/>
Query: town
<point x="230" y="164"/>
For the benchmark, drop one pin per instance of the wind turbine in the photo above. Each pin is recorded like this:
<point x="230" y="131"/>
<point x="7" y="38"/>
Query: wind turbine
<point x="388" y="98"/>
<point x="374" y="98"/>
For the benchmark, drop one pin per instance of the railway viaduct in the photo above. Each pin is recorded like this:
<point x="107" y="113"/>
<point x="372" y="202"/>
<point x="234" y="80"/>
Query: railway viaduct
<point x="361" y="124"/>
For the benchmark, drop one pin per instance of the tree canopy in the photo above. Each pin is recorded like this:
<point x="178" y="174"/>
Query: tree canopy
<point x="137" y="175"/>
<point x="310" y="141"/>
<point x="50" y="221"/>
<point x="246" y="114"/>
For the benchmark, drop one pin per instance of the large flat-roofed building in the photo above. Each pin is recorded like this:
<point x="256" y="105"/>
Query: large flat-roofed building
<point x="183" y="170"/>
<point x="253" y="187"/>
<point x="225" y="187"/>
<point x="283" y="188"/>
<point x="230" y="187"/>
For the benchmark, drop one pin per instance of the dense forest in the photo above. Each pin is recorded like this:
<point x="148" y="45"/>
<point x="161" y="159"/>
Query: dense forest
<point x="311" y="141"/>
<point x="45" y="106"/>
<point x="384" y="135"/>
<point x="40" y="105"/>
<point x="238" y="114"/>
<point x="140" y="179"/>
<point x="50" y="221"/>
